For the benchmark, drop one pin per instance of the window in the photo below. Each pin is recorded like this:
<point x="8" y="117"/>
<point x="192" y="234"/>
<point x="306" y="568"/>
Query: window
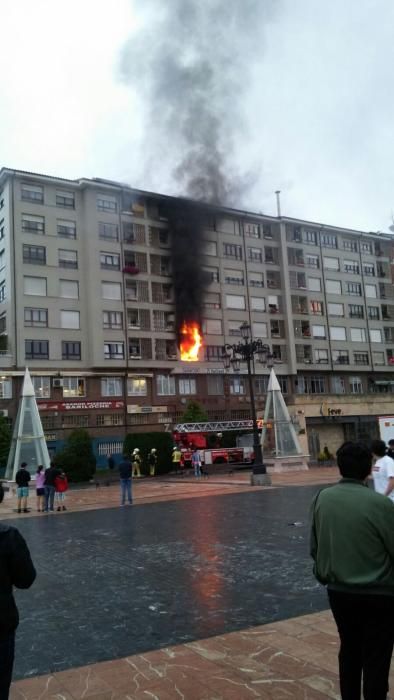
<point x="71" y="350"/>
<point x="366" y="247"/>
<point x="321" y="356"/>
<point x="369" y="269"/>
<point x="373" y="313"/>
<point x="337" y="333"/>
<point x="314" y="284"/>
<point x="337" y="385"/>
<point x="113" y="319"/>
<point x="234" y="277"/>
<point x="310" y="385"/>
<point x="6" y="388"/>
<point x="133" y="318"/>
<point x="215" y="385"/>
<point x="69" y="319"/>
<point x="375" y="336"/>
<point x="232" y="251"/>
<point x="261" y="385"/>
<point x="328" y="240"/>
<point x="108" y="232"/>
<point x="33" y="224"/>
<point x="73" y="387"/>
<point x="111" y="290"/>
<point x="234" y="327"/>
<point x="3" y="322"/>
<point x="210" y="248"/>
<point x="212" y="326"/>
<point x="316" y="307"/>
<point x="187" y="386"/>
<point x="259" y="330"/>
<point x="349" y="245"/>
<point x="318" y="331"/>
<point x="256" y="279"/>
<point x="361" y="358"/>
<point x="213" y="353"/>
<point x="257" y="303"/>
<point x="66" y="229"/>
<point x="68" y="258"/>
<point x="370" y="291"/>
<point x="111" y="386"/>
<point x="114" y="351"/>
<point x="135" y="348"/>
<point x="107" y="203"/>
<point x="255" y="254"/>
<point x="355" y="385"/>
<point x="378" y="358"/>
<point x="356" y="311"/>
<point x="335" y="309"/>
<point x="237" y="385"/>
<point x="333" y="287"/>
<point x="32" y="193"/>
<point x="75" y="421"/>
<point x="137" y="386"/>
<point x="283" y="383"/>
<point x="36" y="317"/>
<point x="340" y="357"/>
<point x="109" y="419"/>
<point x="331" y="263"/>
<point x="351" y="266"/>
<point x="211" y="274"/>
<point x="36" y="349"/>
<point x="109" y="261"/>
<point x="252" y="230"/>
<point x="234" y="301"/>
<point x="312" y="260"/>
<point x="65" y="198"/>
<point x="310" y="237"/>
<point x="42" y="387"/>
<point x="34" y="254"/>
<point x="36" y="286"/>
<point x="165" y="385"/>
<point x="69" y="289"/>
<point x="358" y="335"/>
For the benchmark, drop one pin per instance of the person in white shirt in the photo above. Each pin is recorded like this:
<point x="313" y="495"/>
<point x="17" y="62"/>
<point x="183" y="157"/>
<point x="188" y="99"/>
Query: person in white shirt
<point x="383" y="469"/>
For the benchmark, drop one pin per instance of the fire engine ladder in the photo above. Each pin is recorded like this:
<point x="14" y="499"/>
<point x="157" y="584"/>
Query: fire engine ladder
<point x="215" y="426"/>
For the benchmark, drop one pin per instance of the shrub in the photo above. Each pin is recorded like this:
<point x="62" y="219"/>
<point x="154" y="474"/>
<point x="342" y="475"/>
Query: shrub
<point x="163" y="443"/>
<point x="77" y="458"/>
<point x="194" y="413"/>
<point x="5" y="441"/>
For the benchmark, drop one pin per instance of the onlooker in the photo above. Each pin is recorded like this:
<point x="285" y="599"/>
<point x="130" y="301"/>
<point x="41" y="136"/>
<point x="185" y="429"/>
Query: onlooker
<point x="50" y="475"/>
<point x="382" y="470"/>
<point x="152" y="461"/>
<point x="196" y="462"/>
<point x="136" y="459"/>
<point x="61" y="486"/>
<point x="111" y="463"/>
<point x="390" y="450"/>
<point x="352" y="544"/>
<point x="16" y="569"/>
<point x="22" y="478"/>
<point x="40" y="488"/>
<point x="125" y="469"/>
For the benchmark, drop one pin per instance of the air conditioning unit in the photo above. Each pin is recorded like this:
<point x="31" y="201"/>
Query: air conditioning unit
<point x="57" y="383"/>
<point x="4" y="413"/>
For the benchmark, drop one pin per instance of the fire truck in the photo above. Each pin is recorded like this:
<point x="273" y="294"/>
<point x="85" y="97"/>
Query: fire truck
<point x="190" y="436"/>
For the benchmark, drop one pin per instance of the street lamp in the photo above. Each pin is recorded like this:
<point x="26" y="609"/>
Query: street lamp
<point x="245" y="351"/>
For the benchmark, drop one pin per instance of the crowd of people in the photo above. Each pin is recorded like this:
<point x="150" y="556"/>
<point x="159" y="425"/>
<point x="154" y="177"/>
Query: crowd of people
<point x="51" y="486"/>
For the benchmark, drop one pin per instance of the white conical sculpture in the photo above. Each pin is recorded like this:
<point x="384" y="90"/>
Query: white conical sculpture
<point x="279" y="439"/>
<point x="28" y="441"/>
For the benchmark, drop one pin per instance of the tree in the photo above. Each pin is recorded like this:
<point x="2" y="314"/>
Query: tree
<point x="5" y="441"/>
<point x="145" y="441"/>
<point x="77" y="458"/>
<point x="194" y="413"/>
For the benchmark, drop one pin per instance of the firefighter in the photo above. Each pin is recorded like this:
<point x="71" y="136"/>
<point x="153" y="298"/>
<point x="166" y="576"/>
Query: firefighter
<point x="152" y="461"/>
<point x="176" y="458"/>
<point x="136" y="462"/>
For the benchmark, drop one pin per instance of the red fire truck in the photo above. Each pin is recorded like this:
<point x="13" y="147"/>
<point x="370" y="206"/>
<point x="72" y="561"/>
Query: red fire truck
<point x="189" y="436"/>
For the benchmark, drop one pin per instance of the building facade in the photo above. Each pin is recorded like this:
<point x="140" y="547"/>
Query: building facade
<point x="86" y="302"/>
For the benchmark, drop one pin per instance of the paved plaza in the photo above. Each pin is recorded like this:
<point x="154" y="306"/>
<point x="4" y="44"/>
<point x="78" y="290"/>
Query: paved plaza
<point x="198" y="591"/>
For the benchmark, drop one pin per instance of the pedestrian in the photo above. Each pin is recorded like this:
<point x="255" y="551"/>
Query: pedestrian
<point x="136" y="459"/>
<point x="50" y="475"/>
<point x="111" y="463"/>
<point x="196" y="462"/>
<point x="16" y="569"/>
<point x="40" y="488"/>
<point x="61" y="486"/>
<point x="22" y="478"/>
<point x="390" y="450"/>
<point x="152" y="461"/>
<point x="352" y="544"/>
<point x="176" y="458"/>
<point x="125" y="470"/>
<point x="382" y="470"/>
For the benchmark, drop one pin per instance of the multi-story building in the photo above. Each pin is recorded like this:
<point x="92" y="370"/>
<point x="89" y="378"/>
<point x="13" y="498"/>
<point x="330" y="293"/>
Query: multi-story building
<point x="86" y="302"/>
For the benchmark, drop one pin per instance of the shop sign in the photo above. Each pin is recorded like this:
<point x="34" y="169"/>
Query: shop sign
<point x="64" y="406"/>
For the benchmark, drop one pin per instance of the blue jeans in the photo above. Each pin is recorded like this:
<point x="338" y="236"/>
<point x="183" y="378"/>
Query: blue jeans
<point x="7" y="650"/>
<point x="197" y="470"/>
<point x="49" y="497"/>
<point x="125" y="488"/>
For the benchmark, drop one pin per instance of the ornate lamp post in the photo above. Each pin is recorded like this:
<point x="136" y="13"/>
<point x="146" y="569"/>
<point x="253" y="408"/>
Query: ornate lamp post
<point x="245" y="351"/>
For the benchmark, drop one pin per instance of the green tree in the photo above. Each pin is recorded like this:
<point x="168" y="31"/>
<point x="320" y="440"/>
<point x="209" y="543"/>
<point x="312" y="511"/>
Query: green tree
<point x="194" y="413"/>
<point x="163" y="443"/>
<point x="77" y="458"/>
<point x="5" y="441"/>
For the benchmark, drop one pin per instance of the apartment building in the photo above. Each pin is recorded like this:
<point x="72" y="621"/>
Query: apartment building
<point x="86" y="302"/>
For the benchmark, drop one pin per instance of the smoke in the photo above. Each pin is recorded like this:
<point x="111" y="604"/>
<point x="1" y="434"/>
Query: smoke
<point x="190" y="62"/>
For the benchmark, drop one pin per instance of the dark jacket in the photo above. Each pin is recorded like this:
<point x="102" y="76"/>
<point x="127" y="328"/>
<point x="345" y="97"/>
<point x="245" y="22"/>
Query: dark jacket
<point x="22" y="477"/>
<point x="16" y="569"/>
<point x="125" y="469"/>
<point x="50" y="475"/>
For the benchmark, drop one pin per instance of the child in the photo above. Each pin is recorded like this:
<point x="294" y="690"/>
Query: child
<point x="61" y="486"/>
<point x="40" y="489"/>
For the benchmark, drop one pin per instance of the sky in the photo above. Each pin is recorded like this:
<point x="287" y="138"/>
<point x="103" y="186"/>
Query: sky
<point x="304" y="100"/>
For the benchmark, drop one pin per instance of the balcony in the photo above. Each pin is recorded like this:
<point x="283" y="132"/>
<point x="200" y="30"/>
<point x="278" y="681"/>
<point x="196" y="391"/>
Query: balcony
<point x="130" y="270"/>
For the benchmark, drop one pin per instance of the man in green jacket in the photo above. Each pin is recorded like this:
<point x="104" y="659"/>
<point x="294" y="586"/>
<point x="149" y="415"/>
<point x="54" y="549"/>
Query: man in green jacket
<point x="352" y="544"/>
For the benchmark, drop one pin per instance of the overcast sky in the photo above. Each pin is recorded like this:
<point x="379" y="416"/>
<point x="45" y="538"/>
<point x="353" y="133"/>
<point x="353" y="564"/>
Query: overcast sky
<point x="316" y="113"/>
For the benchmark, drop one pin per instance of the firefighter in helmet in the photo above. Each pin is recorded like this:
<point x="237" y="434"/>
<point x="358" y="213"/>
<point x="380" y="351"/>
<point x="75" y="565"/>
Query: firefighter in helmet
<point x="152" y="461"/>
<point x="136" y="462"/>
<point x="176" y="458"/>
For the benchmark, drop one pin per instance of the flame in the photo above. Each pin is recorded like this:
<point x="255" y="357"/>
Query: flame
<point x="191" y="341"/>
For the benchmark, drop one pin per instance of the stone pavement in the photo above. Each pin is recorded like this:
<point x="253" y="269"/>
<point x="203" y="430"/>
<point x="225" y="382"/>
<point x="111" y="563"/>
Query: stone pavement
<point x="196" y="609"/>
